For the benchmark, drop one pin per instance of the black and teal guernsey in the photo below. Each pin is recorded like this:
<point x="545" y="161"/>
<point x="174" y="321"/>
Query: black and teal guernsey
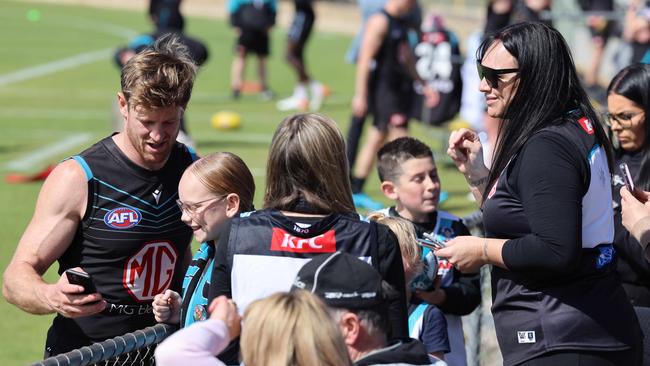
<point x="131" y="241"/>
<point x="560" y="292"/>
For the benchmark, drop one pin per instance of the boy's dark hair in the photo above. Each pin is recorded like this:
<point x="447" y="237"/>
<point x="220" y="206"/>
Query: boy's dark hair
<point x="393" y="154"/>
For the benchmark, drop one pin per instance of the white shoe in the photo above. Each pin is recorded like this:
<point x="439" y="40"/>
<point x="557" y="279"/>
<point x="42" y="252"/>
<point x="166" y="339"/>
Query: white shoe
<point x="317" y="96"/>
<point x="293" y="103"/>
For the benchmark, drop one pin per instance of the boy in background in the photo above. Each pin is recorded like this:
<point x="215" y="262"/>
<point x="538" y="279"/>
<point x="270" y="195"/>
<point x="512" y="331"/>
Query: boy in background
<point x="409" y="177"/>
<point x="252" y="20"/>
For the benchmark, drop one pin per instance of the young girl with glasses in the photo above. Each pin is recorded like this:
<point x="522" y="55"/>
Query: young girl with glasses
<point x="212" y="190"/>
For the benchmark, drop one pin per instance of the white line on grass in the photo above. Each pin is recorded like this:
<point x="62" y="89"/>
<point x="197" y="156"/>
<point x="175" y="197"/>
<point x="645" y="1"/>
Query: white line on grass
<point x="54" y="66"/>
<point x="47" y="152"/>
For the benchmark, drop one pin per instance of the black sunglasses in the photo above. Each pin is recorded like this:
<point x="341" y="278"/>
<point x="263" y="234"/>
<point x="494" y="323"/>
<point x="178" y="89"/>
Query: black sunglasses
<point x="492" y="75"/>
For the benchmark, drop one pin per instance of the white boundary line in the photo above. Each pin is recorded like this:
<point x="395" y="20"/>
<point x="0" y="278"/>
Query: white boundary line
<point x="28" y="161"/>
<point x="54" y="66"/>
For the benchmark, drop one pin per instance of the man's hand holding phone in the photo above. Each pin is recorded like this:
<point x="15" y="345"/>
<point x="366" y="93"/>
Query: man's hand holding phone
<point x="74" y="299"/>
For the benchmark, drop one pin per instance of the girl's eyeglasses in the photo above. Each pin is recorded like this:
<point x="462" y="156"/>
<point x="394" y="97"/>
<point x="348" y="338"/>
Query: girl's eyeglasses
<point x="191" y="208"/>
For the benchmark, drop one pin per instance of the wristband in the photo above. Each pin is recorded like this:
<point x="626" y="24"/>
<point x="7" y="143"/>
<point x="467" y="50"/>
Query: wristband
<point x="478" y="182"/>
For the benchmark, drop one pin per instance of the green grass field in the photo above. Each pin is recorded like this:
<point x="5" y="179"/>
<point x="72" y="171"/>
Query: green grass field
<point x="41" y="109"/>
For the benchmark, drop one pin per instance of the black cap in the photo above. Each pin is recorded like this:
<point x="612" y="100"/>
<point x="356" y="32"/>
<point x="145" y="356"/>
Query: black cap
<point x="343" y="281"/>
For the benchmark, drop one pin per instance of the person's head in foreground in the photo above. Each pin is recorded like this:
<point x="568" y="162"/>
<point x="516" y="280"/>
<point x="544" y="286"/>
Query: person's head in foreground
<point x="291" y="329"/>
<point x="358" y="300"/>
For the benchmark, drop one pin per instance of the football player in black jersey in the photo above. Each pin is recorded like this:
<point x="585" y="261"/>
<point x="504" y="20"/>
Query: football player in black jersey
<point x="110" y="211"/>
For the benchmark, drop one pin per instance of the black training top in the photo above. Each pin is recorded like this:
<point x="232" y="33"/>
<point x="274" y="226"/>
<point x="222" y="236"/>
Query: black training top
<point x="553" y="202"/>
<point x="389" y="66"/>
<point x="631" y="265"/>
<point x="131" y="240"/>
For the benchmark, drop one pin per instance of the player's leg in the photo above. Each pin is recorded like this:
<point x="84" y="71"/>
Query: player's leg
<point x="237" y="70"/>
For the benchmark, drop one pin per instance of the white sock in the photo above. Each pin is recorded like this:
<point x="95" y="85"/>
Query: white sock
<point x="300" y="91"/>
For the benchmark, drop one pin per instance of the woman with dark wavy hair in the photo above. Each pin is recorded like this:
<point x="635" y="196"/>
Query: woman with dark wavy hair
<point x="547" y="209"/>
<point x="628" y="104"/>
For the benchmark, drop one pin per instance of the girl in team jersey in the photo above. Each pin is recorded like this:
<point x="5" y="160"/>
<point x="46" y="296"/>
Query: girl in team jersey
<point x="308" y="211"/>
<point x="212" y="190"/>
<point x="547" y="209"/>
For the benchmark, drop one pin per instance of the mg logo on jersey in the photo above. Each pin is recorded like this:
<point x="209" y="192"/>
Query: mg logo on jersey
<point x="586" y="125"/>
<point x="150" y="271"/>
<point x="282" y="241"/>
<point x="122" y="218"/>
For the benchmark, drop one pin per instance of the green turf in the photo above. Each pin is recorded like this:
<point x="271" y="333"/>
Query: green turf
<point x="43" y="110"/>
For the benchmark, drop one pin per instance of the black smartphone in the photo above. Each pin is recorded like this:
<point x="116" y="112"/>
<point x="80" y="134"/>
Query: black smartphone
<point x="82" y="279"/>
<point x="431" y="243"/>
<point x="627" y="177"/>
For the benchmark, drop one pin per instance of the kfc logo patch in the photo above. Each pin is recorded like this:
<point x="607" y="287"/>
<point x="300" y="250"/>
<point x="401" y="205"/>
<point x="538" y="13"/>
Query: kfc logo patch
<point x="282" y="241"/>
<point x="150" y="271"/>
<point x="586" y="125"/>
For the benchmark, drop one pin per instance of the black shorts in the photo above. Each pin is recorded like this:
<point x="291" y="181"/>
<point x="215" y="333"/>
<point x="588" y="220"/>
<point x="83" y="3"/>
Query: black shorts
<point x="300" y="29"/>
<point x="388" y="100"/>
<point x="255" y="41"/>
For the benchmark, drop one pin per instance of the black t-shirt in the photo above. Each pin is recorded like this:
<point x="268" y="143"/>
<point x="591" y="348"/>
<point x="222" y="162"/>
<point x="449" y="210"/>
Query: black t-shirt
<point x="389" y="67"/>
<point x="553" y="202"/>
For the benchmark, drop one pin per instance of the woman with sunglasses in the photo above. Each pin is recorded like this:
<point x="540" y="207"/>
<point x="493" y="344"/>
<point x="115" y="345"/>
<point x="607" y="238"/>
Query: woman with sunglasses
<point x="628" y="101"/>
<point x="547" y="209"/>
<point x="212" y="190"/>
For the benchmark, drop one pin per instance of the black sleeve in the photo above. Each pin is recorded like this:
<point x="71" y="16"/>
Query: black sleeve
<point x="434" y="331"/>
<point x="463" y="295"/>
<point x="220" y="279"/>
<point x="549" y="175"/>
<point x="392" y="270"/>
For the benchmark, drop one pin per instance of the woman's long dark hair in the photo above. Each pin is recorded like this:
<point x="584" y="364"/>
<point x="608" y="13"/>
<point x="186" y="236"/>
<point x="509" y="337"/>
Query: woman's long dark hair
<point x="633" y="83"/>
<point x="548" y="88"/>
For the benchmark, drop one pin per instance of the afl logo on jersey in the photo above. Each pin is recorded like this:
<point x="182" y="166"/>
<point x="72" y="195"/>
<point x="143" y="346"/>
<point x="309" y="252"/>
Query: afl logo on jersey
<point x="150" y="271"/>
<point x="122" y="218"/>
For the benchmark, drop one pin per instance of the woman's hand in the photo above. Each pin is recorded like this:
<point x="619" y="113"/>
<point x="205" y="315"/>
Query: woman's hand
<point x="467" y="153"/>
<point x="224" y="309"/>
<point x="465" y="253"/>
<point x="167" y="307"/>
<point x="634" y="209"/>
